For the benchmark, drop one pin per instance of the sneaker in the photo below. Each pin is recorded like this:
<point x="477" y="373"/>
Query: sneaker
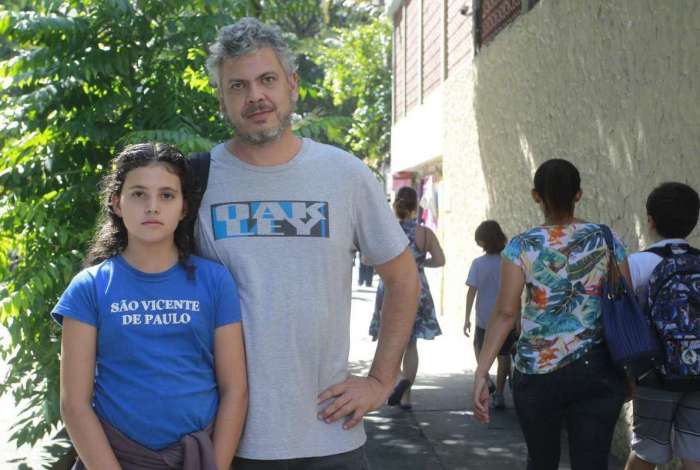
<point x="499" y="403"/>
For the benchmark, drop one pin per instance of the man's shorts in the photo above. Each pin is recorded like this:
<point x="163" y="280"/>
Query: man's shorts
<point x="507" y="347"/>
<point x="666" y="425"/>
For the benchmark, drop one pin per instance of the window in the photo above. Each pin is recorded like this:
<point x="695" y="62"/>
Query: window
<point x="491" y="16"/>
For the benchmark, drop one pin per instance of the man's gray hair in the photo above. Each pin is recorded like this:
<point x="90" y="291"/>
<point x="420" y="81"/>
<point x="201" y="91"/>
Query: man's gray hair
<point x="243" y="37"/>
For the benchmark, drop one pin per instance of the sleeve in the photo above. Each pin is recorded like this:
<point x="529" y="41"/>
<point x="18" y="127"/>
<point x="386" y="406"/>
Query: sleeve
<point x="227" y="308"/>
<point x="620" y="248"/>
<point x="473" y="277"/>
<point x="377" y="233"/>
<point x="78" y="301"/>
<point x="512" y="251"/>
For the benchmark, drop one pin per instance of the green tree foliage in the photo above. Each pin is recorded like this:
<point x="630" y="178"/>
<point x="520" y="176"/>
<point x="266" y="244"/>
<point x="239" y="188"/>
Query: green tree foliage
<point x="81" y="78"/>
<point x="358" y="78"/>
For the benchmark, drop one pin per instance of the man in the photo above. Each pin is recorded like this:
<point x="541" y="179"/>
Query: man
<point x="286" y="215"/>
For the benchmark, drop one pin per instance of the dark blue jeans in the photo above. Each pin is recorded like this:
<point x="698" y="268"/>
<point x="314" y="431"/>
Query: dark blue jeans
<point x="585" y="395"/>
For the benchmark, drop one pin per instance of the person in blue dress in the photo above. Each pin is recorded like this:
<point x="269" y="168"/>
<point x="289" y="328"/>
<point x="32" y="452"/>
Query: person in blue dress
<point x="422" y="242"/>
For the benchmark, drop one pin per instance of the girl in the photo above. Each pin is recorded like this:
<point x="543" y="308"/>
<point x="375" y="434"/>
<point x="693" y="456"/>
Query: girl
<point x="563" y="372"/>
<point x="422" y="241"/>
<point x="483" y="281"/>
<point x="152" y="362"/>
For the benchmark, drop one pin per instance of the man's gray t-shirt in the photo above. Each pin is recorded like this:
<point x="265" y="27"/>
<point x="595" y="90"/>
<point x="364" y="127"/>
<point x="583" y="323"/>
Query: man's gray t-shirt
<point x="288" y="234"/>
<point x="484" y="276"/>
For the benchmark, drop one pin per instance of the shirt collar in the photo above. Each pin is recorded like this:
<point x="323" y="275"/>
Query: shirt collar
<point x="669" y="241"/>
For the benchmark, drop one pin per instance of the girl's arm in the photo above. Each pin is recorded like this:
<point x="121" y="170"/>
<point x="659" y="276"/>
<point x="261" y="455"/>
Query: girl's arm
<point x="471" y="295"/>
<point x="432" y="246"/>
<point x="503" y="319"/>
<point x="231" y="377"/>
<point x="78" y="349"/>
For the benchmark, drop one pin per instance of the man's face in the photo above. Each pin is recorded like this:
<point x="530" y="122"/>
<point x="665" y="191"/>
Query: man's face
<point x="257" y="96"/>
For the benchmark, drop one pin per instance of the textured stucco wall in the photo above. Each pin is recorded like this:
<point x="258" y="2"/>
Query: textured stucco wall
<point x="465" y="201"/>
<point x="612" y="86"/>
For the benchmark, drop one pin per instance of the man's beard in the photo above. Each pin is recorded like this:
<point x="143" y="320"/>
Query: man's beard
<point x="264" y="136"/>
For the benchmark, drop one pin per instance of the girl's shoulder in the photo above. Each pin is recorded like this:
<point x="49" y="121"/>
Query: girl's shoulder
<point x="90" y="274"/>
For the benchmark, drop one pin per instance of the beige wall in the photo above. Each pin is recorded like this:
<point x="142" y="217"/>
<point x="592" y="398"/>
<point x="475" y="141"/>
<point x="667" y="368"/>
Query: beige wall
<point x="612" y="86"/>
<point x="418" y="137"/>
<point x="465" y="201"/>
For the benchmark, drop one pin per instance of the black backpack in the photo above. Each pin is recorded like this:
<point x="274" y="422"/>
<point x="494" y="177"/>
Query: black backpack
<point x="200" y="163"/>
<point x="674" y="311"/>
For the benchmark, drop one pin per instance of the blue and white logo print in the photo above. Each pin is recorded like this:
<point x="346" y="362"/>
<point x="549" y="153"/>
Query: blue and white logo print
<point x="270" y="219"/>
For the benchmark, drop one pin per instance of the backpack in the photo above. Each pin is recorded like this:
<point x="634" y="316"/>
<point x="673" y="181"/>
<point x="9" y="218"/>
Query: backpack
<point x="200" y="163"/>
<point x="674" y="311"/>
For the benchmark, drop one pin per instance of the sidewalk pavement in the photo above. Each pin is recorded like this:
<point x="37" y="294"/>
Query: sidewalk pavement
<point x="440" y="432"/>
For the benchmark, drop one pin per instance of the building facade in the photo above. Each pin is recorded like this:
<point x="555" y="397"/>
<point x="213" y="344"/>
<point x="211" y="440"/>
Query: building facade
<point x="486" y="90"/>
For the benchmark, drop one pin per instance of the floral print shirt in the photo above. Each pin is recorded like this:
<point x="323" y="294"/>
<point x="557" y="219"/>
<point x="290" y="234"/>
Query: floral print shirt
<point x="564" y="266"/>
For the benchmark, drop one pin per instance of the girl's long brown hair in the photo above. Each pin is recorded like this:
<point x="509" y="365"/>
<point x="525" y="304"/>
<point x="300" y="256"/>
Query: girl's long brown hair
<point x="111" y="236"/>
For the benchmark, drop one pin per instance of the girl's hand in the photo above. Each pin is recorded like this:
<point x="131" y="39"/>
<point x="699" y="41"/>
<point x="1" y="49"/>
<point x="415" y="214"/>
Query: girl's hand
<point x="481" y="397"/>
<point x="467" y="328"/>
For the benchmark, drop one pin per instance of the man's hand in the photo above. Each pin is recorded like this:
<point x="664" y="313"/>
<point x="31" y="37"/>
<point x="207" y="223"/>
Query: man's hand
<point x="354" y="397"/>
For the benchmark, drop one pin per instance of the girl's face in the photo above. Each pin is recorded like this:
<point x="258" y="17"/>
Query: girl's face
<point x="150" y="204"/>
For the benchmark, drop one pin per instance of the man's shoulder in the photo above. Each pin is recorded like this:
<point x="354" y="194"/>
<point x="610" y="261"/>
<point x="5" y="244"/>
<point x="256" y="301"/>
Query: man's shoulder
<point x="332" y="155"/>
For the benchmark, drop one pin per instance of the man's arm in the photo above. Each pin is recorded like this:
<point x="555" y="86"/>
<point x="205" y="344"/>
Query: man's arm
<point x="356" y="396"/>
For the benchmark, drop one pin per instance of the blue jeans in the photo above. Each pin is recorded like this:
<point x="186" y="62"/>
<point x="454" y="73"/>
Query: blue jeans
<point x="585" y="395"/>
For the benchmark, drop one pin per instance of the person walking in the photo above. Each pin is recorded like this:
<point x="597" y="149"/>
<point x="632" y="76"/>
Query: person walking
<point x="286" y="215"/>
<point x="667" y="422"/>
<point x="366" y="273"/>
<point x="563" y="372"/>
<point x="483" y="281"/>
<point x="422" y="242"/>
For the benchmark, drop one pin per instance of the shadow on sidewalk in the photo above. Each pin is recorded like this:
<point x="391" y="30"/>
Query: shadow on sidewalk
<point x="441" y="433"/>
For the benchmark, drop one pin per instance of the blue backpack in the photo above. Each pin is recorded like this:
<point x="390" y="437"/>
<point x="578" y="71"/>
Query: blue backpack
<point x="674" y="311"/>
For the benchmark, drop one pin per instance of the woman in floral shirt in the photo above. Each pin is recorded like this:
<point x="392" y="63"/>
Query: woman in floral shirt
<point x="563" y="374"/>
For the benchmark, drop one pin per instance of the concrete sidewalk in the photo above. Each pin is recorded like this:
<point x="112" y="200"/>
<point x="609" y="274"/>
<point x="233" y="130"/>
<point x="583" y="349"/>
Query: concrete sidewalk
<point x="440" y="432"/>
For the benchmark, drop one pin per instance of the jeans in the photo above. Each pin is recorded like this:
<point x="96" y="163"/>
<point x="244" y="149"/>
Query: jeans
<point x="585" y="395"/>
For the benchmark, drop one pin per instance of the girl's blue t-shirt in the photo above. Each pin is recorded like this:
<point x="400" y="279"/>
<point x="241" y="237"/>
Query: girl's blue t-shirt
<point x="154" y="378"/>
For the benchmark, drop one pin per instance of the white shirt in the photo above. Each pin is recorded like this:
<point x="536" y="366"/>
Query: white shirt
<point x="642" y="264"/>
